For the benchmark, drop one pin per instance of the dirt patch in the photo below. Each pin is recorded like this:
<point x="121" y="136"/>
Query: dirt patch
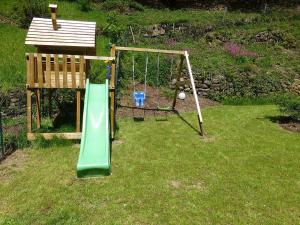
<point x="156" y="98"/>
<point x="13" y="163"/>
<point x="290" y="124"/>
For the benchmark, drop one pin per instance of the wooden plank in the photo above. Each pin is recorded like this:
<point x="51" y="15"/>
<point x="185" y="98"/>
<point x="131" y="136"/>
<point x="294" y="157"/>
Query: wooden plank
<point x="73" y="71"/>
<point x="87" y="57"/>
<point x="119" y="48"/>
<point x="60" y="40"/>
<point x="62" y="28"/>
<point x="75" y="44"/>
<point x="35" y="19"/>
<point x="38" y="108"/>
<point x="177" y="79"/>
<point x="29" y="111"/>
<point x="67" y="33"/>
<point x="49" y="136"/>
<point x="27" y="71"/>
<point x="65" y="70"/>
<point x="40" y="70"/>
<point x="189" y="67"/>
<point x="56" y="71"/>
<point x="48" y="70"/>
<point x="112" y="94"/>
<point x="31" y="69"/>
<point x="50" y="103"/>
<point x="81" y="71"/>
<point x="63" y="25"/>
<point x="59" y="36"/>
<point x="78" y="96"/>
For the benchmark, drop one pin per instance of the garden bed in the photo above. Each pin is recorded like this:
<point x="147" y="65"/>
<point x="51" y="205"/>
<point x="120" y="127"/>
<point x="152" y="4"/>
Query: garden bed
<point x="290" y="124"/>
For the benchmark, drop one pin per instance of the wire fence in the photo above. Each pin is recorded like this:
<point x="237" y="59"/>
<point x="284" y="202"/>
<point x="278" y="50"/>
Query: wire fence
<point x="12" y="123"/>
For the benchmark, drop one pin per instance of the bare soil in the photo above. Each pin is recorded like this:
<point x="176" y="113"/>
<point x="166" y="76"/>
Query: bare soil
<point x="155" y="98"/>
<point x="290" y="124"/>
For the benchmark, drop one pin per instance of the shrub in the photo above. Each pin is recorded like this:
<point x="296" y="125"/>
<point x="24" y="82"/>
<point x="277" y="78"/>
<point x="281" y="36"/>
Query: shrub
<point x="112" y="30"/>
<point x="85" y="5"/>
<point x="289" y="104"/>
<point x="122" y="5"/>
<point x="24" y="12"/>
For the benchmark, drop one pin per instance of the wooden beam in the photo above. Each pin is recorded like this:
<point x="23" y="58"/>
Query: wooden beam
<point x="81" y="71"/>
<point x="48" y="136"/>
<point x="177" y="79"/>
<point x="31" y="69"/>
<point x="50" y="103"/>
<point x="65" y="70"/>
<point x="56" y="70"/>
<point x="48" y="70"/>
<point x="112" y="93"/>
<point x="40" y="70"/>
<point x="53" y="9"/>
<point x="200" y="120"/>
<point x="73" y="72"/>
<point x="133" y="49"/>
<point x="29" y="111"/>
<point x="78" y="97"/>
<point x="90" y="57"/>
<point x="38" y="108"/>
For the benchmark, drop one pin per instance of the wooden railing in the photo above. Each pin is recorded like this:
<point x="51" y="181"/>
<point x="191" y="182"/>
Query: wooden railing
<point x="56" y="71"/>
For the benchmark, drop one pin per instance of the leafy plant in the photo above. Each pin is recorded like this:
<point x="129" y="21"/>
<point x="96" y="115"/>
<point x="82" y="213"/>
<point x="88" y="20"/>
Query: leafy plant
<point x="26" y="10"/>
<point x="85" y="5"/>
<point x="112" y="30"/>
<point x="122" y="5"/>
<point x="289" y="104"/>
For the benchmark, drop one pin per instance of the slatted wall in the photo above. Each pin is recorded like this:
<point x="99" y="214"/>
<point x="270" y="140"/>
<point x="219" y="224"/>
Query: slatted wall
<point x="55" y="71"/>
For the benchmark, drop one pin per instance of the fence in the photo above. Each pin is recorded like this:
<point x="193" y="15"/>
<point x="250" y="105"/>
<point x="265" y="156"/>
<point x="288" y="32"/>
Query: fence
<point x="12" y="123"/>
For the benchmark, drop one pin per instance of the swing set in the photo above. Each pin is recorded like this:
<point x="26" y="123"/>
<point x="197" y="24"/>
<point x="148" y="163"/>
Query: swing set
<point x="140" y="96"/>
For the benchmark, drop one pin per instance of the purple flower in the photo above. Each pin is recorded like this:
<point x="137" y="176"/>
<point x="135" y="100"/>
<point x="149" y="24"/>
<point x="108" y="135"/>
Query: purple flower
<point x="237" y="50"/>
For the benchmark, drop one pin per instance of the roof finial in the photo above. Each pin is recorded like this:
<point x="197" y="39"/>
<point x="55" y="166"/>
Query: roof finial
<point x="53" y="8"/>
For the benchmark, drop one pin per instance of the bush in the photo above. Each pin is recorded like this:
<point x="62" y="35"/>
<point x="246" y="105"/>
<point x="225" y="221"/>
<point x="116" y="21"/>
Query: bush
<point x="85" y="5"/>
<point x="289" y="104"/>
<point x="122" y="5"/>
<point x="112" y="30"/>
<point x="24" y="12"/>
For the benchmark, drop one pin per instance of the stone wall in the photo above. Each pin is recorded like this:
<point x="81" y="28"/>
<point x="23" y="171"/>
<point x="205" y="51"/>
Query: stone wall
<point x="213" y="86"/>
<point x="13" y="103"/>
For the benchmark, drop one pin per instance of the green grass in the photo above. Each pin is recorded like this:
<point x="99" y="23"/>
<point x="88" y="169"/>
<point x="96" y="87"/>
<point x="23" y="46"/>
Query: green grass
<point x="12" y="52"/>
<point x="246" y="171"/>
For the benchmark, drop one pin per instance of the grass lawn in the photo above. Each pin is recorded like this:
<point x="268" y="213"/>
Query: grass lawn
<point x="245" y="172"/>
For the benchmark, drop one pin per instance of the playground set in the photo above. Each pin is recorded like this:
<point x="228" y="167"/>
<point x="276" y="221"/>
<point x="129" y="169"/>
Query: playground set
<point x="65" y="49"/>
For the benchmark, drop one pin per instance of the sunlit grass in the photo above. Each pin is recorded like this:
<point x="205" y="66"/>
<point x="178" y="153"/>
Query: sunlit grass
<point x="245" y="171"/>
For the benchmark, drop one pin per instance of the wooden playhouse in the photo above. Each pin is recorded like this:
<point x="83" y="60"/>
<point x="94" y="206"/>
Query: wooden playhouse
<point x="64" y="51"/>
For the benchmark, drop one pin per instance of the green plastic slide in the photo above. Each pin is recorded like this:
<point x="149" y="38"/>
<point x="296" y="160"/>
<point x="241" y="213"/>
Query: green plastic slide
<point x="94" y="157"/>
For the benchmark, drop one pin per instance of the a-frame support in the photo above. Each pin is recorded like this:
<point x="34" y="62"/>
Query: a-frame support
<point x="200" y="120"/>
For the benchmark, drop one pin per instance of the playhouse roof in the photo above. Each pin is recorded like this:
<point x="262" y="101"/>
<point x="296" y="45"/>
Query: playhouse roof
<point x="70" y="33"/>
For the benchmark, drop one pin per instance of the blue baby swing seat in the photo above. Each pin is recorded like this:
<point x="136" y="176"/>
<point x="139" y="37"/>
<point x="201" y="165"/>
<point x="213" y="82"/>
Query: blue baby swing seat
<point x="139" y="98"/>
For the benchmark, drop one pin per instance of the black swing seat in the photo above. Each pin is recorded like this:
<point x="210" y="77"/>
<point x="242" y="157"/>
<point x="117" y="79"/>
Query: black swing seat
<point x="164" y="108"/>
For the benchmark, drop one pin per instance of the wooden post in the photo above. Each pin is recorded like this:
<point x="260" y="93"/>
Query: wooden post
<point x="29" y="111"/>
<point x="38" y="108"/>
<point x="78" y="96"/>
<point x="112" y="92"/>
<point x="50" y="103"/>
<point x="53" y="9"/>
<point x="177" y="79"/>
<point x="200" y="120"/>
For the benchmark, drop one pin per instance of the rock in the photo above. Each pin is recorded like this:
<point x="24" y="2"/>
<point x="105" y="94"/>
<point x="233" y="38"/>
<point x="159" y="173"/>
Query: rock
<point x="207" y="82"/>
<point x="173" y="81"/>
<point x="205" y="86"/>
